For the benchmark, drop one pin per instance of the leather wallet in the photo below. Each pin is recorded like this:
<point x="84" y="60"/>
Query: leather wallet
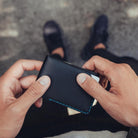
<point x="64" y="89"/>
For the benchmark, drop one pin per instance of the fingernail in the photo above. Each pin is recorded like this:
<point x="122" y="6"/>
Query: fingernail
<point x="40" y="102"/>
<point x="81" y="78"/>
<point x="44" y="80"/>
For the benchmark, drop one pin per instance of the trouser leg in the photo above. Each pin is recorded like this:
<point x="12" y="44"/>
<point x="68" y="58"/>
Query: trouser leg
<point x="108" y="55"/>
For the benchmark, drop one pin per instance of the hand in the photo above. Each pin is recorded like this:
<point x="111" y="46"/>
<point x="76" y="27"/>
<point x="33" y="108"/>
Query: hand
<point x="121" y="101"/>
<point x="13" y="107"/>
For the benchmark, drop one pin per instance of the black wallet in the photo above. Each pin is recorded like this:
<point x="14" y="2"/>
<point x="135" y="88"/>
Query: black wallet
<point x="64" y="89"/>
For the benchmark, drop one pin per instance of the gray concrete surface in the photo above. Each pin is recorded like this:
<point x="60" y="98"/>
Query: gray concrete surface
<point x="91" y="134"/>
<point x="21" y="23"/>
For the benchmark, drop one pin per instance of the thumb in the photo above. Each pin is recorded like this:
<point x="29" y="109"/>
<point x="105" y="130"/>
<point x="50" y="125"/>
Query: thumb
<point x="35" y="91"/>
<point x="92" y="87"/>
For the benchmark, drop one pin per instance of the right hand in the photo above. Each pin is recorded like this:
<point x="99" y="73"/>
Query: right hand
<point x="121" y="101"/>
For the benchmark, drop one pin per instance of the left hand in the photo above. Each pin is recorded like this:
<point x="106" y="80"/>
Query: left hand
<point x="14" y="104"/>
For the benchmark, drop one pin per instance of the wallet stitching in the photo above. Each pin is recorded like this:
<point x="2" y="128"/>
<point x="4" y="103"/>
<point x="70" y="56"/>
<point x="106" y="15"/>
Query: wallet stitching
<point x="71" y="106"/>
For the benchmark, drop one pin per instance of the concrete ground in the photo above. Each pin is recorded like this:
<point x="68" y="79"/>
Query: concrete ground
<point x="89" y="134"/>
<point x="21" y="23"/>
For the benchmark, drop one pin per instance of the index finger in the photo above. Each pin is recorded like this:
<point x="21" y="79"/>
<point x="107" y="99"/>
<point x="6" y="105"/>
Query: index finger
<point x="18" y="68"/>
<point x="101" y="65"/>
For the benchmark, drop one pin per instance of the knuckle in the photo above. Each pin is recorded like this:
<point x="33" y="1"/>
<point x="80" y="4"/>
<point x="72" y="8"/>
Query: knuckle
<point x="107" y="72"/>
<point x="34" y="90"/>
<point x="90" y="84"/>
<point x="34" y="77"/>
<point x="111" y="71"/>
<point x="94" y="58"/>
<point x="124" y="67"/>
<point x="20" y="61"/>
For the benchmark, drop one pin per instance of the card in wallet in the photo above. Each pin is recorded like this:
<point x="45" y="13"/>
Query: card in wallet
<point x="64" y="89"/>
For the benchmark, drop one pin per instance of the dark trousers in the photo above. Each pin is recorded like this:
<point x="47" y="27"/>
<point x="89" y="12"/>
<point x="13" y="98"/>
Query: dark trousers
<point x="52" y="119"/>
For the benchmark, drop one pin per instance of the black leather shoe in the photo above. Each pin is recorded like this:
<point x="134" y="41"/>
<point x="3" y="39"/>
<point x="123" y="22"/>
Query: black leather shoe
<point x="99" y="34"/>
<point x="52" y="35"/>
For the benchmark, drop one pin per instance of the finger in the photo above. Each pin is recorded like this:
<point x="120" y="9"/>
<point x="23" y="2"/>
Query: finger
<point x="39" y="103"/>
<point x="101" y="66"/>
<point x="17" y="69"/>
<point x="36" y="90"/>
<point x="103" y="81"/>
<point x="93" y="88"/>
<point x="26" y="82"/>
